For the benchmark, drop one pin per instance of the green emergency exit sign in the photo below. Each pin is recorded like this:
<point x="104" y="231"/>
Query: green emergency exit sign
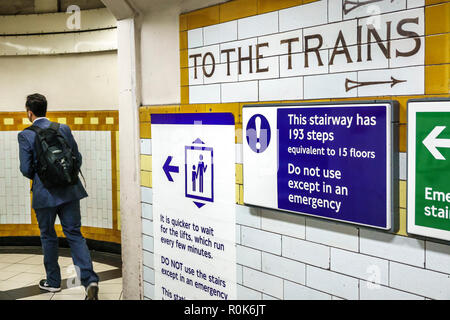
<point x="428" y="205"/>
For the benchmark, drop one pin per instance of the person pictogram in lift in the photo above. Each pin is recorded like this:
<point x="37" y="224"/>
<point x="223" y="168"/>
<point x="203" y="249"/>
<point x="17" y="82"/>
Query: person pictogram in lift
<point x="194" y="178"/>
<point x="201" y="169"/>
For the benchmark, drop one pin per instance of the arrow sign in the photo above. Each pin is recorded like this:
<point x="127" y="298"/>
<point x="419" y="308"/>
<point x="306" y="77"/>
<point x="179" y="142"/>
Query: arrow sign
<point x="357" y="84"/>
<point x="431" y="142"/>
<point x="352" y="5"/>
<point x="168" y="168"/>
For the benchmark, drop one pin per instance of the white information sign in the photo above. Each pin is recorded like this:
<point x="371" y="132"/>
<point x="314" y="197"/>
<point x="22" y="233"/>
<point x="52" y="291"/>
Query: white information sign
<point x="333" y="161"/>
<point x="194" y="206"/>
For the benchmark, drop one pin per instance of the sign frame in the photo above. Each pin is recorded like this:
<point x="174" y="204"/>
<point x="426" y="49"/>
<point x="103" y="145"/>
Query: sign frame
<point x="411" y="227"/>
<point x="392" y="158"/>
<point x="194" y="234"/>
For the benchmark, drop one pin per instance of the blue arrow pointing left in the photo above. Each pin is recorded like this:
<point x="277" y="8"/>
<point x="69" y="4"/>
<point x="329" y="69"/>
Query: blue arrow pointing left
<point x="168" y="168"/>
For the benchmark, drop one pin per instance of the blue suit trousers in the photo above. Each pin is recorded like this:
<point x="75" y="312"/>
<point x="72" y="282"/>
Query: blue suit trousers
<point x="69" y="215"/>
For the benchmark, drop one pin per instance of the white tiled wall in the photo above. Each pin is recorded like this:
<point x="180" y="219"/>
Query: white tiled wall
<point x="381" y="7"/>
<point x="431" y="284"/>
<point x="295" y="291"/>
<point x="402" y="249"/>
<point x="96" y="210"/>
<point x="239" y="91"/>
<point x="331" y="282"/>
<point x="326" y="18"/>
<point x="259" y="25"/>
<point x="15" y="204"/>
<point x="205" y="94"/>
<point x="311" y="14"/>
<point x="307" y="252"/>
<point x="289" y="88"/>
<point x="309" y="270"/>
<point x="95" y="147"/>
<point x="147" y="241"/>
<point x="263" y="282"/>
<point x="288" y="256"/>
<point x="222" y="32"/>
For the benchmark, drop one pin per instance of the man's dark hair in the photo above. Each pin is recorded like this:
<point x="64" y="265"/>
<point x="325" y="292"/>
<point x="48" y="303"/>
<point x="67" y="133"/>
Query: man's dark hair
<point x="37" y="104"/>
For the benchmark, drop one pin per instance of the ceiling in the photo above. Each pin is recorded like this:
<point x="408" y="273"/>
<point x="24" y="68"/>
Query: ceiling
<point x="184" y="5"/>
<point x="12" y="7"/>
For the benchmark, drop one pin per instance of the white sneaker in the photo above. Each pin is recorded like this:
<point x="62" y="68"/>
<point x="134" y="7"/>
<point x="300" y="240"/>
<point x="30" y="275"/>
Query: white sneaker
<point x="44" y="286"/>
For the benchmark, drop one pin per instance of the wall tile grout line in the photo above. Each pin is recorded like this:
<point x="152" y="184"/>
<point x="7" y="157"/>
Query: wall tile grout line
<point x="149" y="282"/>
<point x="148" y="251"/>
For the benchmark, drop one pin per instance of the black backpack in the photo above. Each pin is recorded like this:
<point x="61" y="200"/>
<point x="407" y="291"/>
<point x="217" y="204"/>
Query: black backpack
<point x="57" y="165"/>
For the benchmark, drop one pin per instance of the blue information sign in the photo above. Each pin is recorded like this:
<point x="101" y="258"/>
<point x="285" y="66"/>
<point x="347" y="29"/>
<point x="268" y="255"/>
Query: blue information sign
<point x="334" y="162"/>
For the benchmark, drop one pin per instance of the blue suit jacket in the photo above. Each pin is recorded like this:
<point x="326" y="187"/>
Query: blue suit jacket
<point x="43" y="197"/>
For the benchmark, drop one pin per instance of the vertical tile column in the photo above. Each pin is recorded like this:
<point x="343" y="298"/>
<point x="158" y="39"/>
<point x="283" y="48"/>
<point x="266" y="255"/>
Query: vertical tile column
<point x="147" y="205"/>
<point x="15" y="206"/>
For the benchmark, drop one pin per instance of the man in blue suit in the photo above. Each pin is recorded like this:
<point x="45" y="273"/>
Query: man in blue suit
<point x="61" y="201"/>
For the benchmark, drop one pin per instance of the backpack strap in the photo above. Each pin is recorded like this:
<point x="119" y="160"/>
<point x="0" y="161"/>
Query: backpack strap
<point x="83" y="178"/>
<point x="38" y="131"/>
<point x="34" y="128"/>
<point x="55" y="126"/>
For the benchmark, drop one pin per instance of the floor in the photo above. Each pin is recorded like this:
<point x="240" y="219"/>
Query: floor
<point x="21" y="269"/>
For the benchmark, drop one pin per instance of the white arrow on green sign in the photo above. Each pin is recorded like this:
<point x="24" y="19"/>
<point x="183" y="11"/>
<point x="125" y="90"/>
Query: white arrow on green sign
<point x="428" y="204"/>
<point x="431" y="142"/>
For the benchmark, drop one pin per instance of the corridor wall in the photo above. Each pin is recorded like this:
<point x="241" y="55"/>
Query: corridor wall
<point x="282" y="256"/>
<point x="96" y="133"/>
<point x="75" y="67"/>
